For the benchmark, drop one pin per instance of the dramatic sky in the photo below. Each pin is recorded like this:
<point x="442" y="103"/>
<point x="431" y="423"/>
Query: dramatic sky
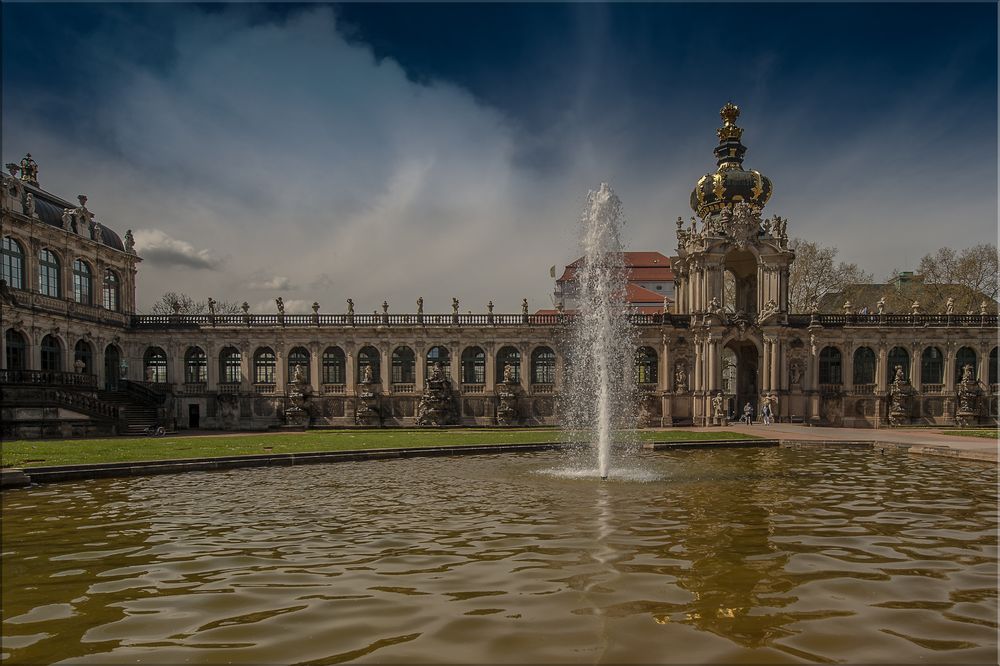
<point x="320" y="152"/>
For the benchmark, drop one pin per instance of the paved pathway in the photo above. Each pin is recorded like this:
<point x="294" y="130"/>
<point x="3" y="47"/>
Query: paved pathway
<point x="919" y="440"/>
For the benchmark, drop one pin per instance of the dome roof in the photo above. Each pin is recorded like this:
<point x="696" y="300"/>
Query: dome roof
<point x="730" y="183"/>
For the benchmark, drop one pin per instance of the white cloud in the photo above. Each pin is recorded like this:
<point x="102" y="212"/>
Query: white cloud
<point x="157" y="247"/>
<point x="278" y="282"/>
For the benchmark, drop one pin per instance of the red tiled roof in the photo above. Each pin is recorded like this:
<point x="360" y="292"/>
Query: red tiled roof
<point x="637" y="294"/>
<point x="646" y="266"/>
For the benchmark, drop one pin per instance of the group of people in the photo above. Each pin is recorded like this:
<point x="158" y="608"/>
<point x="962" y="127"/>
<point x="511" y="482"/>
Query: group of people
<point x="766" y="411"/>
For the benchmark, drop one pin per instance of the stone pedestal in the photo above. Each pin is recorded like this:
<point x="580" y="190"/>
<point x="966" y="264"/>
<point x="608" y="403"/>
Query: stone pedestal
<point x="437" y="404"/>
<point x="369" y="410"/>
<point x="507" y="403"/>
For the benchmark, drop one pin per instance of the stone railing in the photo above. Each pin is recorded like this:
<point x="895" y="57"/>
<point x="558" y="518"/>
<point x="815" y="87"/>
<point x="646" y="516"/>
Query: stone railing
<point x="648" y="388"/>
<point x="863" y="389"/>
<point x="473" y="388"/>
<point x="145" y="392"/>
<point x="48" y="378"/>
<point x="194" y="387"/>
<point x="264" y="389"/>
<point x="229" y="387"/>
<point x="404" y="388"/>
<point x="187" y="321"/>
<point x="829" y="389"/>
<point x="961" y="321"/>
<point x="334" y="388"/>
<point x="543" y="388"/>
<point x="932" y="388"/>
<point x="70" y="308"/>
<point x="80" y="401"/>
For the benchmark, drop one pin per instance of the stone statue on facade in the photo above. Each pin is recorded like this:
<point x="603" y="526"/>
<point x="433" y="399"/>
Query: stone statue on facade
<point x="211" y="306"/>
<point x="880" y="306"/>
<point x="79" y="366"/>
<point x="245" y="307"/>
<point x="369" y="409"/>
<point x="967" y="413"/>
<point x="299" y="394"/>
<point x="67" y="219"/>
<point x="29" y="205"/>
<point x="915" y="308"/>
<point x="507" y="397"/>
<point x="350" y="307"/>
<point x="437" y="405"/>
<point x="129" y="242"/>
<point x="489" y="308"/>
<point x="718" y="412"/>
<point x="454" y="307"/>
<point x="983" y="308"/>
<point x="795" y="373"/>
<point x="899" y="399"/>
<point x="680" y="379"/>
<point x="420" y="305"/>
<point x="29" y="170"/>
<point x="848" y="307"/>
<point x="385" y="307"/>
<point x="770" y="308"/>
<point x="949" y="306"/>
<point x="279" y="302"/>
<point x="96" y="231"/>
<point x="524" y="307"/>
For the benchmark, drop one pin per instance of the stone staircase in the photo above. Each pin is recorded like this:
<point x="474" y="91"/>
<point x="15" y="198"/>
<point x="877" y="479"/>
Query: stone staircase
<point x="138" y="408"/>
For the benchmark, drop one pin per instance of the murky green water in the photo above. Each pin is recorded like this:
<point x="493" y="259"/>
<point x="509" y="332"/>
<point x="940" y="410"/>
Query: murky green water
<point x="762" y="555"/>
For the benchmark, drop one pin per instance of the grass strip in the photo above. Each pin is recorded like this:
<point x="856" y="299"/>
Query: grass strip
<point x="988" y="434"/>
<point x="35" y="453"/>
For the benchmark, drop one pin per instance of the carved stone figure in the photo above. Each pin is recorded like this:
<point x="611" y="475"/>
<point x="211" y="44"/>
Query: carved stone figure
<point x="280" y="303"/>
<point x="366" y="374"/>
<point x="489" y="307"/>
<point x="315" y="308"/>
<point x="718" y="414"/>
<point x="899" y="398"/>
<point x="67" y="219"/>
<point x="79" y="366"/>
<point x="795" y="373"/>
<point x="211" y="306"/>
<point x="915" y="308"/>
<point x="680" y="379"/>
<point x="420" y="305"/>
<point x="350" y="307"/>
<point x="507" y="398"/>
<point x="96" y="231"/>
<point x="245" y="307"/>
<point x="129" y="242"/>
<point x="524" y="307"/>
<point x="983" y="308"/>
<point x="29" y="170"/>
<point x="299" y="393"/>
<point x="437" y="405"/>
<point x="967" y="413"/>
<point x="29" y="205"/>
<point x="454" y="306"/>
<point x="949" y="306"/>
<point x="385" y="307"/>
<point x="770" y="308"/>
<point x="369" y="409"/>
<point x="848" y="307"/>
<point x="713" y="306"/>
<point x="176" y="305"/>
<point x="880" y="306"/>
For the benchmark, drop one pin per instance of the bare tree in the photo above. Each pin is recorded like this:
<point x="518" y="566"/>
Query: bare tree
<point x="172" y="302"/>
<point x="815" y="272"/>
<point x="965" y="276"/>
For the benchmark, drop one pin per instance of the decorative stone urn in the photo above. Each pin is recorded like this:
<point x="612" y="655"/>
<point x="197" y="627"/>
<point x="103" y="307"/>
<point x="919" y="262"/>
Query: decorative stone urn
<point x="369" y="410"/>
<point x="899" y="399"/>
<point x="437" y="404"/>
<point x="507" y="398"/>
<point x="299" y="393"/>
<point x="967" y="413"/>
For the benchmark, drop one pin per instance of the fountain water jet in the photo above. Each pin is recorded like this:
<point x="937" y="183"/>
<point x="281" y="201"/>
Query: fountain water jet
<point x="600" y="400"/>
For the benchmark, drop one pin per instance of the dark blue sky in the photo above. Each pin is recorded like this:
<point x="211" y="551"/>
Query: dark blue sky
<point x="864" y="115"/>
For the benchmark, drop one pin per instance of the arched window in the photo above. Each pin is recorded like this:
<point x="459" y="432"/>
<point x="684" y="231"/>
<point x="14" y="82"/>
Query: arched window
<point x="993" y="366"/>
<point x="264" y="364"/>
<point x="296" y="357"/>
<point x="17" y="350"/>
<point x="84" y="354"/>
<point x="509" y="356"/>
<point x="645" y="365"/>
<point x="864" y="366"/>
<point x="48" y="273"/>
<point x="829" y="366"/>
<point x="154" y="365"/>
<point x="901" y="357"/>
<point x="111" y="292"/>
<point x="333" y="366"/>
<point x="369" y="366"/>
<point x="543" y="366"/>
<point x="195" y="366"/>
<point x="965" y="356"/>
<point x="12" y="265"/>
<point x="473" y="366"/>
<point x="81" y="282"/>
<point x="51" y="354"/>
<point x="440" y="355"/>
<point x="931" y="366"/>
<point x="230" y="366"/>
<point x="403" y="366"/>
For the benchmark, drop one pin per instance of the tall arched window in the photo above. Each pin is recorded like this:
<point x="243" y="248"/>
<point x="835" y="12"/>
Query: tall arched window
<point x="195" y="366"/>
<point x="829" y="366"/>
<point x="993" y="366"/>
<point x="473" y="366"/>
<point x="931" y="366"/>
<point x="12" y="264"/>
<point x="901" y="357"/>
<point x="438" y="354"/>
<point x="154" y="365"/>
<point x="264" y="364"/>
<point x="965" y="356"/>
<point x="369" y="366"/>
<point x="403" y="366"/>
<point x="81" y="282"/>
<point x="543" y="366"/>
<point x="48" y="273"/>
<point x="111" y="291"/>
<point x="84" y="353"/>
<point x="17" y="350"/>
<point x="645" y="365"/>
<point x="333" y="366"/>
<point x="509" y="356"/>
<point x="864" y="366"/>
<point x="299" y="356"/>
<point x="52" y="354"/>
<point x="230" y="366"/>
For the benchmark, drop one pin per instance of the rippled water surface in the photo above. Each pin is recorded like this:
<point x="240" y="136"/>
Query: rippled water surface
<point x="763" y="555"/>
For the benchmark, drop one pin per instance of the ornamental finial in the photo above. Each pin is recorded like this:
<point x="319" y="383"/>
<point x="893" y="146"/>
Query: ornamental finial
<point x="729" y="113"/>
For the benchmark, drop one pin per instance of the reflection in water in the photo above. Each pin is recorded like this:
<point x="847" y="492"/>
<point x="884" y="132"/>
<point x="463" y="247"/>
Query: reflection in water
<point x="768" y="555"/>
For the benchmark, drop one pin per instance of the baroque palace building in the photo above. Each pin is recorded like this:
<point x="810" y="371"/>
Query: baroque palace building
<point x="77" y="359"/>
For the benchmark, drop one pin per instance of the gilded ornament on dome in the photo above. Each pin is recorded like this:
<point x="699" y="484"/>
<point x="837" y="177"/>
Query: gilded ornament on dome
<point x="719" y="188"/>
<point x="758" y="185"/>
<point x="700" y="190"/>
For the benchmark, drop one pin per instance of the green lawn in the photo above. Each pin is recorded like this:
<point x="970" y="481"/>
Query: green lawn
<point x="988" y="434"/>
<point x="33" y="453"/>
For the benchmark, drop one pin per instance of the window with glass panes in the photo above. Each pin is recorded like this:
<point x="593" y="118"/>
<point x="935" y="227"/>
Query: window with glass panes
<point x="48" y="274"/>
<point x="81" y="282"/>
<point x="12" y="263"/>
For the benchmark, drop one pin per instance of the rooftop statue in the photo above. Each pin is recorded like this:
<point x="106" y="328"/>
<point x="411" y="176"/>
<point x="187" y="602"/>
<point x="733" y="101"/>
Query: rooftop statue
<point x="880" y="306"/>
<point x="280" y="303"/>
<point x="350" y="306"/>
<point x="129" y="242"/>
<point x="949" y="306"/>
